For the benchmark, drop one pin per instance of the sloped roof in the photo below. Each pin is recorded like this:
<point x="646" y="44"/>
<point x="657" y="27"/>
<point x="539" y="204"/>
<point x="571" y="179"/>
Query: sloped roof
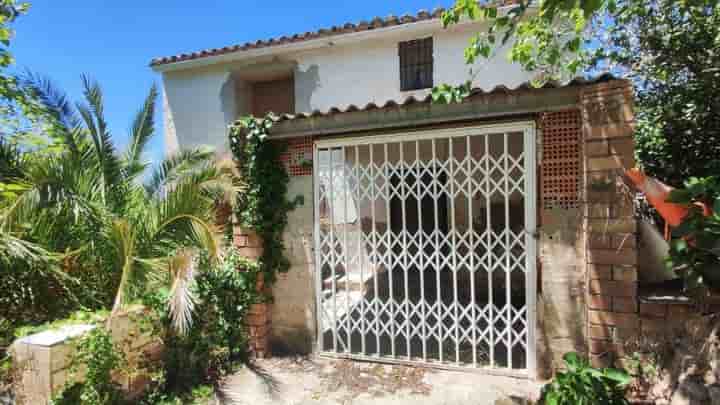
<point x="578" y="81"/>
<point x="375" y="23"/>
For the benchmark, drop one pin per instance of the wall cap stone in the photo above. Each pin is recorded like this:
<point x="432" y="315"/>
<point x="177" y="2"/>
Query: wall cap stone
<point x="54" y="337"/>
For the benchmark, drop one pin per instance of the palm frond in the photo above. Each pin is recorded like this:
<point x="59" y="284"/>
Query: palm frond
<point x="58" y="189"/>
<point x="182" y="301"/>
<point x="143" y="128"/>
<point x="92" y="114"/>
<point x="56" y="106"/>
<point x="16" y="249"/>
<point x="172" y="167"/>
<point x="123" y="241"/>
<point x="12" y="163"/>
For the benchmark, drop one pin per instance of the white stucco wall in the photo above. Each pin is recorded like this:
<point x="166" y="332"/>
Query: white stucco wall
<point x="199" y="105"/>
<point x="370" y="72"/>
<point x="202" y="101"/>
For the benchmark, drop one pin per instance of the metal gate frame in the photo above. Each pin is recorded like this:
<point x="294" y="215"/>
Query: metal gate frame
<point x="528" y="128"/>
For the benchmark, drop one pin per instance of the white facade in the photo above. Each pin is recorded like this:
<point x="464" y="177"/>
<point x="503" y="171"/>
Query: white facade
<point x="204" y="96"/>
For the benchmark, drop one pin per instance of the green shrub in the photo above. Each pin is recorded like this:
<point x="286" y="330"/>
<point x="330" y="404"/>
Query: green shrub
<point x="216" y="342"/>
<point x="585" y="385"/>
<point x="99" y="356"/>
<point x="695" y="248"/>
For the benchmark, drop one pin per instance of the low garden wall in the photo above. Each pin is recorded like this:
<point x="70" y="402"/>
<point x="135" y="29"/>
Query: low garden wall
<point x="44" y="361"/>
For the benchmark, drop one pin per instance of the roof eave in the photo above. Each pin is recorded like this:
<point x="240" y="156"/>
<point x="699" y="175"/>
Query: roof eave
<point x="277" y="50"/>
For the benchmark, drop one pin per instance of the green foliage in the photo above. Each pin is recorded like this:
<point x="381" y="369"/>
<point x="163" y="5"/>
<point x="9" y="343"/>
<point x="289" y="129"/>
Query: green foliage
<point x="199" y="395"/>
<point x="670" y="50"/>
<point x="547" y="37"/>
<point x="79" y="230"/>
<point x="695" y="249"/>
<point x="99" y="357"/>
<point x="581" y="384"/>
<point x="667" y="48"/>
<point x="263" y="205"/>
<point x="216" y="342"/>
<point x="6" y="339"/>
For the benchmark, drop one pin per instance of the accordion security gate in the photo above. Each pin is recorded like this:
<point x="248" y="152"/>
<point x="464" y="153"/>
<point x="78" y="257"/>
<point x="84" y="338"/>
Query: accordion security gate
<point x="424" y="247"/>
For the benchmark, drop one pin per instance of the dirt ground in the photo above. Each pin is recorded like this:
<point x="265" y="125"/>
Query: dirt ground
<point x="312" y="381"/>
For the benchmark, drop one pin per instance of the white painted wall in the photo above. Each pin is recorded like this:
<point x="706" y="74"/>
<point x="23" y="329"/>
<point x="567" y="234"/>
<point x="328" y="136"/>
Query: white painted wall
<point x="199" y="105"/>
<point x="370" y="72"/>
<point x="202" y="101"/>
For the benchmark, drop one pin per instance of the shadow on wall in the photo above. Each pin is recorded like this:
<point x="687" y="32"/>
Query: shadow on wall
<point x="306" y="82"/>
<point x="227" y="100"/>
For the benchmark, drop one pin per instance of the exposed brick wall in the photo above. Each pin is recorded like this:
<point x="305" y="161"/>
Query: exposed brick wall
<point x="659" y="318"/>
<point x="611" y="251"/>
<point x="258" y="320"/>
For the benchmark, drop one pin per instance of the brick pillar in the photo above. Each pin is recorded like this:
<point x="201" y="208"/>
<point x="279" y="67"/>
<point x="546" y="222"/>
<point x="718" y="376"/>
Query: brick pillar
<point x="250" y="245"/>
<point x="610" y="226"/>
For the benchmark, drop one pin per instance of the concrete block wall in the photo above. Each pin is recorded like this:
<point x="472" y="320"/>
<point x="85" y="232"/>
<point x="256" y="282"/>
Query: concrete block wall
<point x="44" y="359"/>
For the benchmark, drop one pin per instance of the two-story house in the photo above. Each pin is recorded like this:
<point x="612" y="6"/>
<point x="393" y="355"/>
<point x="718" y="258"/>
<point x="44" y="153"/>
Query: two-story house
<point x="450" y="235"/>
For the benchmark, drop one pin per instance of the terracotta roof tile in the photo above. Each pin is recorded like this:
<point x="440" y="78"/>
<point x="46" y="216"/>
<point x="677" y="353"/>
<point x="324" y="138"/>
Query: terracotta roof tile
<point x="579" y="81"/>
<point x="375" y="23"/>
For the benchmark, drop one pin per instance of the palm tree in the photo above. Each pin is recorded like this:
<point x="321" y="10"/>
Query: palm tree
<point x="124" y="230"/>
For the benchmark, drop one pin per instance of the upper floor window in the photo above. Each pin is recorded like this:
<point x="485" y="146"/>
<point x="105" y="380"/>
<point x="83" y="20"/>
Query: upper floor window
<point x="416" y="64"/>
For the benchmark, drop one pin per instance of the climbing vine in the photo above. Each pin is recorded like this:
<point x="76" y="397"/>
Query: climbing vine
<point x="262" y="205"/>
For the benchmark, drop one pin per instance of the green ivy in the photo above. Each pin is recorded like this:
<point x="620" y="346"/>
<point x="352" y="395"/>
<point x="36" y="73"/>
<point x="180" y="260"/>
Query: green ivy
<point x="581" y="384"/>
<point x="263" y="205"/>
<point x="98" y="355"/>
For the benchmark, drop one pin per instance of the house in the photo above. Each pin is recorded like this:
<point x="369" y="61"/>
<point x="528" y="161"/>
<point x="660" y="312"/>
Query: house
<point x="490" y="234"/>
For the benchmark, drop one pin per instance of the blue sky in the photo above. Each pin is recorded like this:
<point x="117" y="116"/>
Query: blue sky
<point x="113" y="41"/>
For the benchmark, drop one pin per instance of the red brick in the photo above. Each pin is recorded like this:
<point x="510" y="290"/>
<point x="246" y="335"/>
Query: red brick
<point x="622" y="146"/>
<point x="613" y="256"/>
<point x="652" y="326"/>
<point x="605" y="163"/>
<point x="246" y="238"/>
<point x="622" y="334"/>
<point x="603" y="180"/>
<point x="599" y="241"/>
<point x="621" y="304"/>
<point x="599" y="209"/>
<point x="624" y="273"/>
<point x="653" y="310"/>
<point x="601" y="346"/>
<point x="600" y="302"/>
<point x="613" y="288"/>
<point x="258" y="309"/>
<point x="596" y="196"/>
<point x="597" y="148"/>
<point x="623" y="241"/>
<point x="600" y="332"/>
<point x="619" y="130"/>
<point x="257" y="320"/>
<point x="600" y="272"/>
<point x="612" y="225"/>
<point x="604" y="89"/>
<point x="679" y="311"/>
<point x="628" y="321"/>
